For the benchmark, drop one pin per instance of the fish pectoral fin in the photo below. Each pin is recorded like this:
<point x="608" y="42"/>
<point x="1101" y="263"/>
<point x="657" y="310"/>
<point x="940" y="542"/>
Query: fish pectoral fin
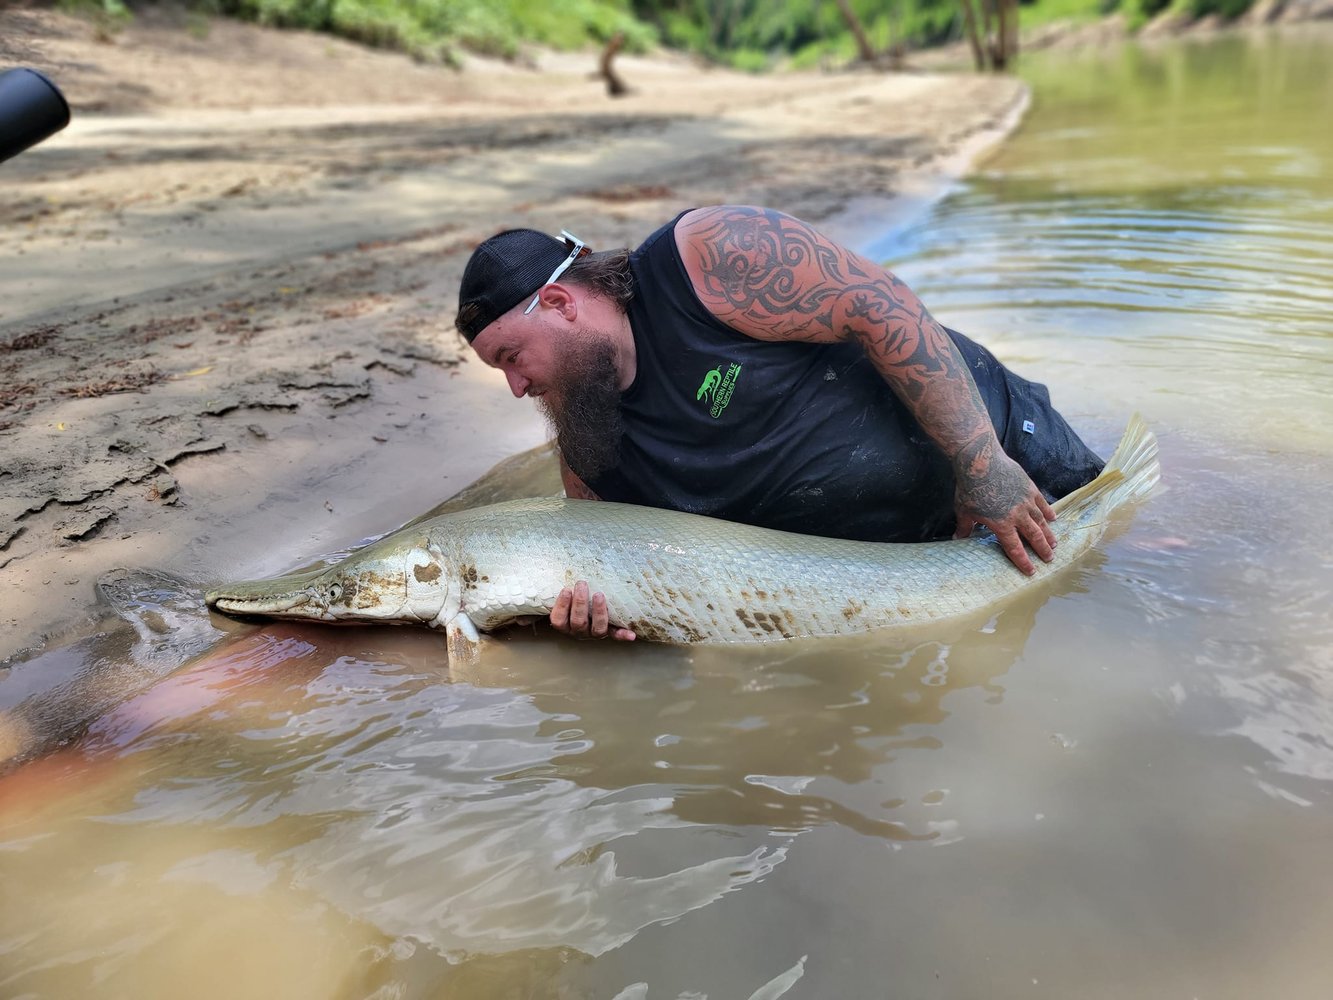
<point x="462" y="641"/>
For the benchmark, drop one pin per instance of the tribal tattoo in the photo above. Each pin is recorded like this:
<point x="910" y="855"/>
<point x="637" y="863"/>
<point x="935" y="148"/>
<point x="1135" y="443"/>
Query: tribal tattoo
<point x="772" y="277"/>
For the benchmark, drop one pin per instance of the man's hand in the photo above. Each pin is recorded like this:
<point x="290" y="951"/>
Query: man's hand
<point x="996" y="492"/>
<point x="584" y="617"/>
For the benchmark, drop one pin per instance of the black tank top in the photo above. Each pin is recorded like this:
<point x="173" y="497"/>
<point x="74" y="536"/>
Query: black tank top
<point x="801" y="437"/>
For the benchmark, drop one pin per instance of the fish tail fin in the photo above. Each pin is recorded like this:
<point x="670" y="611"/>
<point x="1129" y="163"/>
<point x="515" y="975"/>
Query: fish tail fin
<point x="1131" y="474"/>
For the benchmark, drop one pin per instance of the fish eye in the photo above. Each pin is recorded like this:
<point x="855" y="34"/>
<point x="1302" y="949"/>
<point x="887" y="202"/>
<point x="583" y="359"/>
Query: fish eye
<point x="335" y="591"/>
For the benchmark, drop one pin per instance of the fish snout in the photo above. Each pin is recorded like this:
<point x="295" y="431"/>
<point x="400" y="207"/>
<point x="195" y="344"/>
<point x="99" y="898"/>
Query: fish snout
<point x="238" y="600"/>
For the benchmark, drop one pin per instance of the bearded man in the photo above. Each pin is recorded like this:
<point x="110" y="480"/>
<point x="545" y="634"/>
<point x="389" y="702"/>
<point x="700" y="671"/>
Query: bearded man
<point x="739" y="364"/>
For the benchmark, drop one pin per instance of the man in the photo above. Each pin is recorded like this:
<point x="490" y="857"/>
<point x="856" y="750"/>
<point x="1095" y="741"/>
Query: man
<point x="739" y="364"/>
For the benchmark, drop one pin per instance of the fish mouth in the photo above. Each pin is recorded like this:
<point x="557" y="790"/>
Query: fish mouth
<point x="264" y="597"/>
<point x="235" y="605"/>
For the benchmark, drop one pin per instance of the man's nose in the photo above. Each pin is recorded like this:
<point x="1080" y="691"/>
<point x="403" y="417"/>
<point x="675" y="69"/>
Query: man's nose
<point x="518" y="385"/>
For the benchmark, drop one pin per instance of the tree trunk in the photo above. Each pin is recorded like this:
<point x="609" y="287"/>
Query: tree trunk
<point x="858" y="32"/>
<point x="615" y="86"/>
<point x="1011" y="42"/>
<point x="987" y="18"/>
<point x="973" y="39"/>
<point x="897" y="50"/>
<point x="994" y="41"/>
<point x="733" y="14"/>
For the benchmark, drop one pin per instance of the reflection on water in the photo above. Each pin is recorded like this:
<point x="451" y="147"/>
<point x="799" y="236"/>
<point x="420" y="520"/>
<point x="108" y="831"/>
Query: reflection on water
<point x="1119" y="787"/>
<point x="560" y="797"/>
<point x="1161" y="236"/>
<point x="1159" y="233"/>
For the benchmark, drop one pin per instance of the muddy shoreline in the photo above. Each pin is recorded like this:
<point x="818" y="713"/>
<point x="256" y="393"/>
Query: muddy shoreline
<point x="226" y="343"/>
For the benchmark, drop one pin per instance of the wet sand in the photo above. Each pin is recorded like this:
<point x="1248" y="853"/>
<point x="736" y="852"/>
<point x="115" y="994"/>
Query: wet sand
<point x="226" y="339"/>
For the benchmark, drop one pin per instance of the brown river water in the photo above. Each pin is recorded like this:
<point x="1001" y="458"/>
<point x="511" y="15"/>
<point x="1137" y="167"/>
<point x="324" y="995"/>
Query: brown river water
<point x="1121" y="785"/>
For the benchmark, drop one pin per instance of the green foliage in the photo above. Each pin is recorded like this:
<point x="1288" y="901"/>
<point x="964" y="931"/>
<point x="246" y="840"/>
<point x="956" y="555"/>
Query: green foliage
<point x="1079" y="11"/>
<point x="1143" y="11"/>
<point x="1229" y="9"/>
<point x="749" y="60"/>
<point x="107" y="16"/>
<point x="432" y="28"/>
<point x="794" y="32"/>
<point x="748" y="34"/>
<point x="106" y="8"/>
<point x="837" y="51"/>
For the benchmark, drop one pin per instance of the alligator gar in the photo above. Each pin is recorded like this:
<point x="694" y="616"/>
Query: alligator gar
<point x="676" y="577"/>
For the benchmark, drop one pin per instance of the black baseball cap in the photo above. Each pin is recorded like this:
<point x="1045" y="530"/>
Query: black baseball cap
<point x="502" y="272"/>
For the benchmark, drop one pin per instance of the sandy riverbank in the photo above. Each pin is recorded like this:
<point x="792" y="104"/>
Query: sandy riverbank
<point x="226" y="335"/>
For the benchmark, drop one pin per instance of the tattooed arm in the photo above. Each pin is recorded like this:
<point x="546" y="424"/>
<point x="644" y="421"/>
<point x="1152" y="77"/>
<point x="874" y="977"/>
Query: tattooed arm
<point x="772" y="277"/>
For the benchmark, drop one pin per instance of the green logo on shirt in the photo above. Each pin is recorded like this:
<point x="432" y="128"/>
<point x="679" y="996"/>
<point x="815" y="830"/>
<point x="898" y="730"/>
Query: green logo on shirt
<point x="716" y="388"/>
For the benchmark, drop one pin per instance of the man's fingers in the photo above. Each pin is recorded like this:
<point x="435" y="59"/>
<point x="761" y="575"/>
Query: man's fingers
<point x="1041" y="538"/>
<point x="560" y="610"/>
<point x="1047" y="533"/>
<point x="578" y="610"/>
<point x="600" y="618"/>
<point x="601" y="622"/>
<point x="964" y="524"/>
<point x="569" y="613"/>
<point x="1040" y="544"/>
<point x="1012" y="545"/>
<point x="1047" y="511"/>
<point x="586" y="616"/>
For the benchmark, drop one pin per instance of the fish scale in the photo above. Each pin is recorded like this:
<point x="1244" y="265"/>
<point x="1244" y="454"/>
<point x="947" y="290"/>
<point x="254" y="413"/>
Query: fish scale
<point x="729" y="580"/>
<point x="677" y="577"/>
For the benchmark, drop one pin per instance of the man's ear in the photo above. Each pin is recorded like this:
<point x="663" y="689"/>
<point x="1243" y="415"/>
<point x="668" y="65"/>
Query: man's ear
<point x="562" y="298"/>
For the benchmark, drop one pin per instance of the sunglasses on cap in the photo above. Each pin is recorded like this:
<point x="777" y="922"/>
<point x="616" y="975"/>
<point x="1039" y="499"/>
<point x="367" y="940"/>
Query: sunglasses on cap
<point x="577" y="249"/>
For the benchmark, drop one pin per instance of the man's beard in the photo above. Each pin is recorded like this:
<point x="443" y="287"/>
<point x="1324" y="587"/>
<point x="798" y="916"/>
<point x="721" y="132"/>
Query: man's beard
<point x="583" y="407"/>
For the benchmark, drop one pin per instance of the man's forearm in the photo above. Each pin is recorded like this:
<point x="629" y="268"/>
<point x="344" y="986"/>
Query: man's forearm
<point x="920" y="363"/>
<point x="924" y="367"/>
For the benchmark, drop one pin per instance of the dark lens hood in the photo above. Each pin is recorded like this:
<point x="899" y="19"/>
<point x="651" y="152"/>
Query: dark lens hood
<point x="31" y="109"/>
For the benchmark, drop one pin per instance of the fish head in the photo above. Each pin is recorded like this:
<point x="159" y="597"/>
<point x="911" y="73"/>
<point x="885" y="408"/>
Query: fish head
<point x="395" y="580"/>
